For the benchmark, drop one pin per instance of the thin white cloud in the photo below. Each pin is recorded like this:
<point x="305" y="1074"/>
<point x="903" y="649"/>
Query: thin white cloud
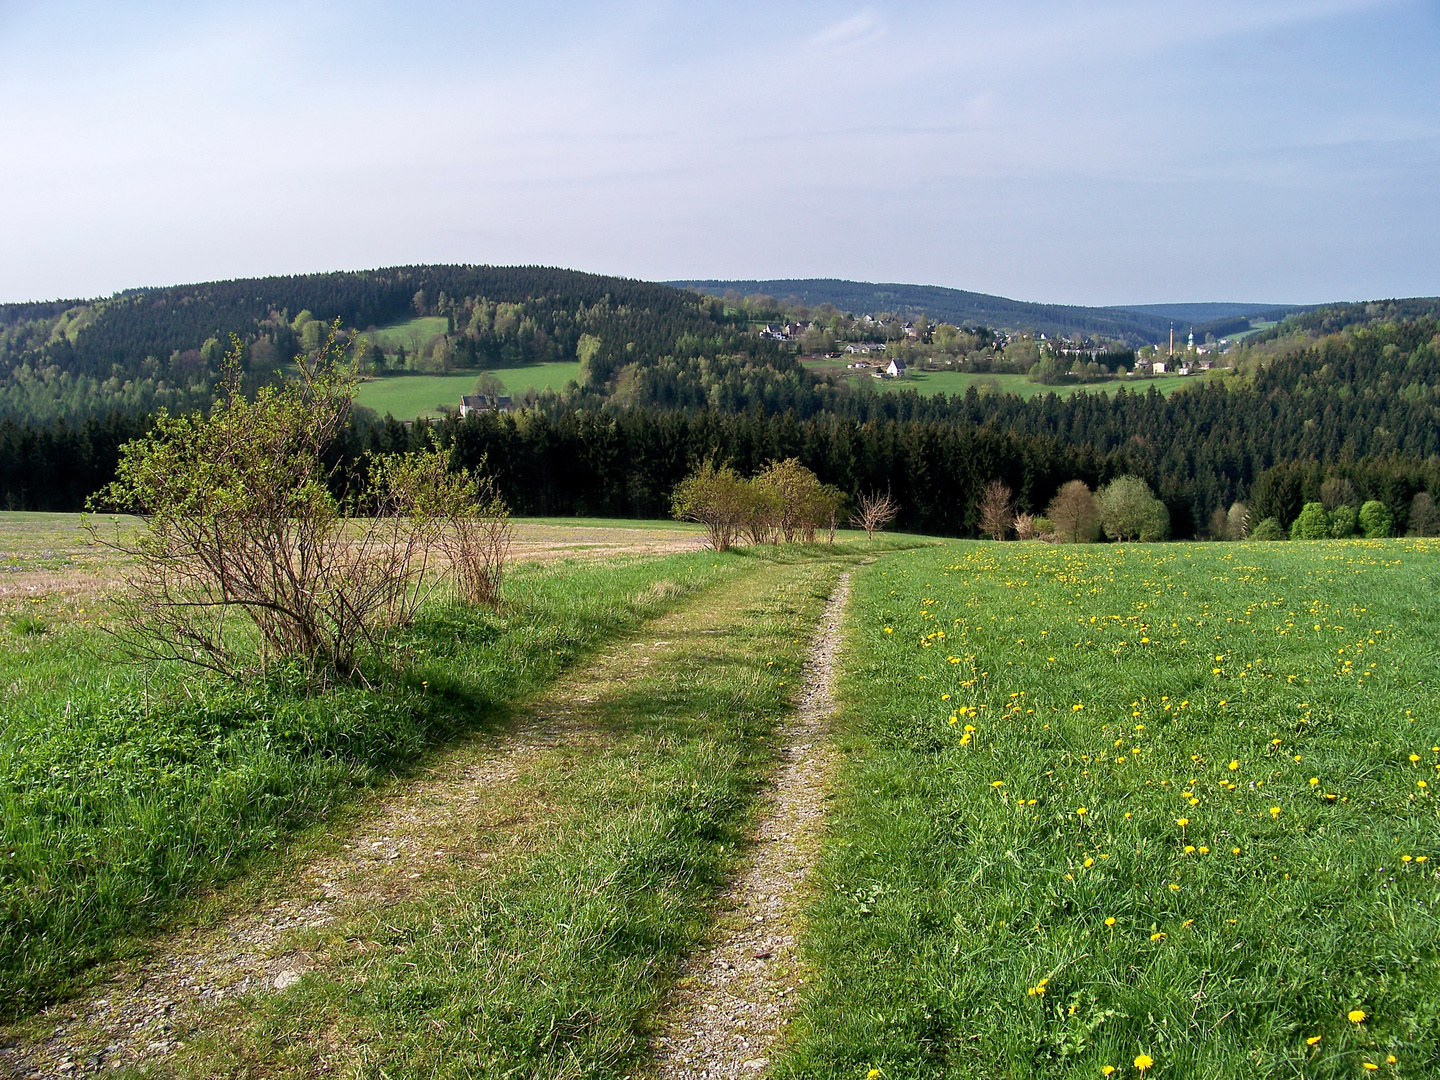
<point x="862" y="28"/>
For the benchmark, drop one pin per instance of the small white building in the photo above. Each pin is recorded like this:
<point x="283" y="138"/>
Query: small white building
<point x="1157" y="367"/>
<point x="895" y="369"/>
<point x="478" y="403"/>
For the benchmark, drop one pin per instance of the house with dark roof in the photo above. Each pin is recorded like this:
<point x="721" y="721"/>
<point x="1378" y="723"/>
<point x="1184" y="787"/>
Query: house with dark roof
<point x="478" y="403"/>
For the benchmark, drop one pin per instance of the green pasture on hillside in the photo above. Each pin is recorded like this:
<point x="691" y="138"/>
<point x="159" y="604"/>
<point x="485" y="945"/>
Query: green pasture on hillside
<point x="1162" y="810"/>
<point x="411" y="335"/>
<point x="408" y="396"/>
<point x="929" y="383"/>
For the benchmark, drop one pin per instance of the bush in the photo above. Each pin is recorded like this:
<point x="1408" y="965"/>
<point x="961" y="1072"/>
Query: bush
<point x="1269" y="529"/>
<point x="715" y="497"/>
<point x="1375" y="520"/>
<point x="1342" y="521"/>
<point x="1312" y="524"/>
<point x="240" y="519"/>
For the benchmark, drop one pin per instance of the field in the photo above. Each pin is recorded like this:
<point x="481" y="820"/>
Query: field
<point x="408" y="396"/>
<point x="1092" y="806"/>
<point x="411" y="336"/>
<point x="958" y="382"/>
<point x="1166" y="803"/>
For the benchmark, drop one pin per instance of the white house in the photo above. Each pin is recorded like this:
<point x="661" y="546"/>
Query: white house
<point x="478" y="403"/>
<point x="1158" y="367"/>
<point x="895" y="369"/>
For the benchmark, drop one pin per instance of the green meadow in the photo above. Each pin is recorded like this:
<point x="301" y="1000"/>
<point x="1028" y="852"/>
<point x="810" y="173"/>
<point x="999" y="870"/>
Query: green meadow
<point x="929" y="383"/>
<point x="407" y="396"/>
<point x="1137" y="811"/>
<point x="1113" y="810"/>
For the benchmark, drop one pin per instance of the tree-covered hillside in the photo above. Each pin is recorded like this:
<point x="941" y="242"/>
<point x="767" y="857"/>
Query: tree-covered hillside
<point x="147" y="348"/>
<point x="1131" y="325"/>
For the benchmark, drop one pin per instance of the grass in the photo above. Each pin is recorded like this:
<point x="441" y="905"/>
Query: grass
<point x="1103" y="802"/>
<point x="929" y="383"/>
<point x="411" y="335"/>
<point x="598" y="862"/>
<point x="408" y="396"/>
<point x="122" y="788"/>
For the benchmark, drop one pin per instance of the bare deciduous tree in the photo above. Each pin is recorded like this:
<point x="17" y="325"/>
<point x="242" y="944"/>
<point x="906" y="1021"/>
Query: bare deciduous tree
<point x="875" y="512"/>
<point x="1074" y="514"/>
<point x="1024" y="526"/>
<point x="997" y="510"/>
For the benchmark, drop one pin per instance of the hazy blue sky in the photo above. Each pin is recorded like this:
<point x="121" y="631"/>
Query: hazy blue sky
<point x="1089" y="152"/>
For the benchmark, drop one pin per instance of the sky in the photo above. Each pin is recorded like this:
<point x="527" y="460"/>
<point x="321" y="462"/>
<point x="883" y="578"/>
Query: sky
<point x="1095" y="152"/>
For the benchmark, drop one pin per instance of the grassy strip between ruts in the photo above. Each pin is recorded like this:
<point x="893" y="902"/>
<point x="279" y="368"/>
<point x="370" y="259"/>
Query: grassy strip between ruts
<point x="121" y="789"/>
<point x="1143" y="810"/>
<point x="541" y="945"/>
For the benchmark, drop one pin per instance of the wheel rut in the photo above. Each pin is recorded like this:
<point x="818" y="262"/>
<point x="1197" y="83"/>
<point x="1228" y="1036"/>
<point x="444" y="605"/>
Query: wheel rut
<point x="463" y="816"/>
<point x="734" y="999"/>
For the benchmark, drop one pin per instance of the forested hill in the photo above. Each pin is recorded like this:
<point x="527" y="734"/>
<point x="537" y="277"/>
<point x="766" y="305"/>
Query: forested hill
<point x="146" y="348"/>
<point x="1132" y="325"/>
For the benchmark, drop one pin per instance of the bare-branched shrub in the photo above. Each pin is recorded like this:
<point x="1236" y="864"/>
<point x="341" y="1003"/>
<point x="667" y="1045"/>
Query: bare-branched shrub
<point x="997" y="510"/>
<point x="875" y="512"/>
<point x="477" y="542"/>
<point x="715" y="497"/>
<point x="1024" y="525"/>
<point x="246" y="549"/>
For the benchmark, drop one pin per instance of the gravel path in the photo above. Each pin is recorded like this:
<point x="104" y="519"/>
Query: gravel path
<point x="733" y="1000"/>
<point x="409" y="842"/>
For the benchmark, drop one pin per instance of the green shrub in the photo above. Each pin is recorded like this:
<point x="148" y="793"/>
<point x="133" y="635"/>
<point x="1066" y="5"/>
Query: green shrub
<point x="1312" y="524"/>
<point x="1342" y="521"/>
<point x="1375" y="520"/>
<point x="1269" y="529"/>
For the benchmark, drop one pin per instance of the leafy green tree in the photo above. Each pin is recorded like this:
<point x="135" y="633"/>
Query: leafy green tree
<point x="1129" y="510"/>
<point x="1376" y="520"/>
<point x="1312" y="524"/>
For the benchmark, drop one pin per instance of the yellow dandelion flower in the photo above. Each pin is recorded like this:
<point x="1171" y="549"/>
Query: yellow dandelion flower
<point x="1314" y="780"/>
<point x="1110" y="920"/>
<point x="1389" y="1059"/>
<point x="997" y="783"/>
<point x="1274" y="811"/>
<point x="1370" y="1066"/>
<point x="1234" y="765"/>
<point x="1182" y="821"/>
<point x="1106" y="1070"/>
<point x="1082" y="811"/>
<point x="872" y="1074"/>
<point x="1313" y="1039"/>
<point x="1143" y="1061"/>
<point x="1356" y="1016"/>
<point x="1157" y="935"/>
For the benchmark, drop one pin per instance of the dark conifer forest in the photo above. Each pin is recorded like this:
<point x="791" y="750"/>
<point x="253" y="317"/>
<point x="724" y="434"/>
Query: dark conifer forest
<point x="672" y="377"/>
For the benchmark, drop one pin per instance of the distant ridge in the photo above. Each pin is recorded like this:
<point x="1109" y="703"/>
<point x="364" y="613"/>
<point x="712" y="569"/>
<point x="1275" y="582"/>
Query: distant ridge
<point x="1136" y="324"/>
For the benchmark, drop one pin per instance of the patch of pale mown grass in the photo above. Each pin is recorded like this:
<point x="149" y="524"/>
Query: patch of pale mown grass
<point x="1172" y="803"/>
<point x="122" y="788"/>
